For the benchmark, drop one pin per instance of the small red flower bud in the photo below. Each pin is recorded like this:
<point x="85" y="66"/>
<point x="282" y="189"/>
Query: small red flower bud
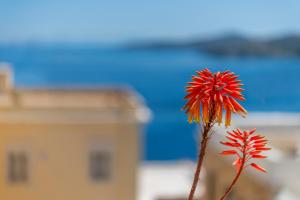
<point x="246" y="147"/>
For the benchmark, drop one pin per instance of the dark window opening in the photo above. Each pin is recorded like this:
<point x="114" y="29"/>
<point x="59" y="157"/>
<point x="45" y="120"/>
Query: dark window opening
<point x="100" y="165"/>
<point x="17" y="167"/>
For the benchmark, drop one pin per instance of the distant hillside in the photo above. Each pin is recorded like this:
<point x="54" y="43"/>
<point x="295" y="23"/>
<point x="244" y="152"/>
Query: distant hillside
<point x="234" y="45"/>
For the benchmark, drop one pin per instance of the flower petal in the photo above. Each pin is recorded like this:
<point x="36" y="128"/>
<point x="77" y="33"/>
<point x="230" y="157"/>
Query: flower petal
<point x="257" y="167"/>
<point x="228" y="152"/>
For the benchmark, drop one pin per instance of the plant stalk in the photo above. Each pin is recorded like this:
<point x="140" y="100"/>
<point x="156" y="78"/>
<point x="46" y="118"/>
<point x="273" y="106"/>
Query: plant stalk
<point x="235" y="178"/>
<point x="205" y="137"/>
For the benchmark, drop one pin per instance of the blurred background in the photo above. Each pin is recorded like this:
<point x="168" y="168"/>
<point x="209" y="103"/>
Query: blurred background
<point x="109" y="78"/>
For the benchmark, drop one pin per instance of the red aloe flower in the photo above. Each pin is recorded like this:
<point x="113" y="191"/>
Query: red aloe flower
<point x="211" y="93"/>
<point x="246" y="146"/>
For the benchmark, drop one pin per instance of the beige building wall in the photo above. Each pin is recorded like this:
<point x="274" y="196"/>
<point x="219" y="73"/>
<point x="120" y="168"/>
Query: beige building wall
<point x="58" y="161"/>
<point x="56" y="132"/>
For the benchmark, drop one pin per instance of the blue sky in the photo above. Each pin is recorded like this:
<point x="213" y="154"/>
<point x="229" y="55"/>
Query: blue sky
<point x="123" y="20"/>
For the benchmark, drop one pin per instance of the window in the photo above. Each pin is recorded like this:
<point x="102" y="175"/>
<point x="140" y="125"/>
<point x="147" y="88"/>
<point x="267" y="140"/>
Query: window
<point x="100" y="165"/>
<point x="17" y="167"/>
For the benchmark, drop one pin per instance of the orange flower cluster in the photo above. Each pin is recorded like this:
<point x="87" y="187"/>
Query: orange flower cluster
<point x="247" y="146"/>
<point x="210" y="93"/>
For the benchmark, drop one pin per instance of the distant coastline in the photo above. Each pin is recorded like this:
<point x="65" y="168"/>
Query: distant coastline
<point x="231" y="45"/>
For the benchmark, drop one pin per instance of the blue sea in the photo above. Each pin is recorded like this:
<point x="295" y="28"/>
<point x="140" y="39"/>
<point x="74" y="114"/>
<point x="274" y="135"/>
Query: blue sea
<point x="272" y="84"/>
